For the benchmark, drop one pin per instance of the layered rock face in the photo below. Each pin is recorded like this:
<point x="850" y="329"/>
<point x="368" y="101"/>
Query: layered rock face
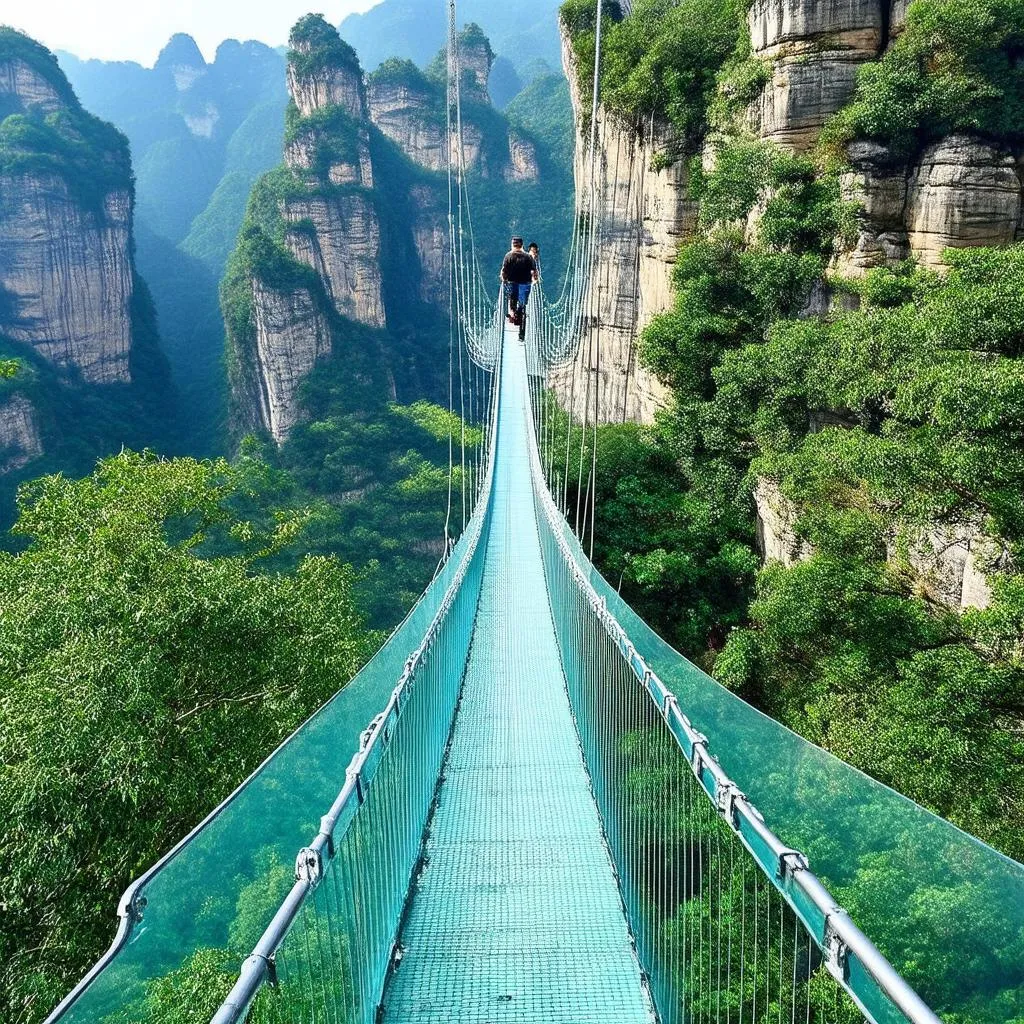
<point x="951" y="563"/>
<point x="961" y="192"/>
<point x="291" y="335"/>
<point x="814" y="48"/>
<point x="339" y="237"/>
<point x="347" y="208"/>
<point x="409" y="107"/>
<point x="430" y="237"/>
<point x="777" y="540"/>
<point x="407" y="114"/>
<point x="477" y="60"/>
<point x="329" y="223"/>
<point x="337" y="233"/>
<point x="337" y="86"/>
<point x="22" y="88"/>
<point x="66" y="275"/>
<point x="20" y="441"/>
<point x="523" y="164"/>
<point x="66" y="265"/>
<point x="645" y="212"/>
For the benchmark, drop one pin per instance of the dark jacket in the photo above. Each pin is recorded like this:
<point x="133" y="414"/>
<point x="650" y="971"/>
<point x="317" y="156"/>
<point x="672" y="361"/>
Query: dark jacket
<point x="518" y="268"/>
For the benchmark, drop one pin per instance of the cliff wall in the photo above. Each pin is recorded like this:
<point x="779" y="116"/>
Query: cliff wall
<point x="954" y="192"/>
<point x="66" y="266"/>
<point x="67" y="272"/>
<point x="20" y="440"/>
<point x="645" y="212"/>
<point x="66" y="275"/>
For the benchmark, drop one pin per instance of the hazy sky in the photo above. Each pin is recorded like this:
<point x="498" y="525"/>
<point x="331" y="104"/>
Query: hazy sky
<point x="138" y="29"/>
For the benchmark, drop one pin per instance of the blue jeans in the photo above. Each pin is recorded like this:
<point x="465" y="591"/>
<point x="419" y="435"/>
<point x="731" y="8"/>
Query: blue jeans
<point x="519" y="293"/>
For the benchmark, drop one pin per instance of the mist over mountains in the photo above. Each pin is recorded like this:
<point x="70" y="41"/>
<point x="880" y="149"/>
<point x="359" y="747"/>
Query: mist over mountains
<point x="201" y="134"/>
<point x="416" y="29"/>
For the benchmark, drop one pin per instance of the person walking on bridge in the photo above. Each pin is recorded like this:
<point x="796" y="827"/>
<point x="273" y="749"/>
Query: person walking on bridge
<point x="518" y="275"/>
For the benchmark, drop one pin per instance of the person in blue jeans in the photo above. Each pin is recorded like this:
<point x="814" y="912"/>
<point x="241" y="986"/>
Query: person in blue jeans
<point x="518" y="275"/>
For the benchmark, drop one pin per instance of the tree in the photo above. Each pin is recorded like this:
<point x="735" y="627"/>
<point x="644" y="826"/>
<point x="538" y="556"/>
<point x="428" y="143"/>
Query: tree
<point x="140" y="681"/>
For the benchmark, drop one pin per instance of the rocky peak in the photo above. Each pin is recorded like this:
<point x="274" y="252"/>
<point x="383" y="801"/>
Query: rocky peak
<point x="477" y="59"/>
<point x="66" y="265"/>
<point x="323" y="70"/>
<point x="30" y="78"/>
<point x="183" y="60"/>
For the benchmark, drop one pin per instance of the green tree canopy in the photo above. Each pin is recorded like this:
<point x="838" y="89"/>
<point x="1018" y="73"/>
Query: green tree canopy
<point x="140" y="682"/>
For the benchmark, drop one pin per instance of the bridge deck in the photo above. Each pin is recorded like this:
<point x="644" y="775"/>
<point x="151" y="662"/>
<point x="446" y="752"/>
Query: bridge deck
<point x="517" y="916"/>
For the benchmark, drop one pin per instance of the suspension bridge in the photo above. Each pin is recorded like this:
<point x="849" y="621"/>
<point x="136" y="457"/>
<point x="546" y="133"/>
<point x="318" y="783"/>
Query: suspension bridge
<point x="527" y="807"/>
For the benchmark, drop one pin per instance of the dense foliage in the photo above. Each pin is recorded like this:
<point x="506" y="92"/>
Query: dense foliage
<point x="141" y="681"/>
<point x="661" y="60"/>
<point x="955" y="67"/>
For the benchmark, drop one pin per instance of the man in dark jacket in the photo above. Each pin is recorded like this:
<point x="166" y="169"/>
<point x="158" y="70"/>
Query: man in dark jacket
<point x="518" y="274"/>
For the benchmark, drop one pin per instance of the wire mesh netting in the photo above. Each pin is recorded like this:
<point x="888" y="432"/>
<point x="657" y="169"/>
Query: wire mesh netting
<point x="332" y="962"/>
<point x="944" y="908"/>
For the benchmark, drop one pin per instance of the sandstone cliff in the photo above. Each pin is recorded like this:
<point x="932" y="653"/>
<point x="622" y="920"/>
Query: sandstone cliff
<point x="960" y="192"/>
<point x="291" y="335"/>
<point x="814" y="49"/>
<point x="67" y="273"/>
<point x="66" y="266"/>
<point x="347" y="244"/>
<point x="645" y="212"/>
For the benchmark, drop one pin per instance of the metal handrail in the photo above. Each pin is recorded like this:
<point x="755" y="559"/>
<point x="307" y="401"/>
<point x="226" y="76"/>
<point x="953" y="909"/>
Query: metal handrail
<point x="311" y="862"/>
<point x="837" y="935"/>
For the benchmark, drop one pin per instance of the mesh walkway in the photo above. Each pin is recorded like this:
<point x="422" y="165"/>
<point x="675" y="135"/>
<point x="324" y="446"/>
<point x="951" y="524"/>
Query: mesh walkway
<point x="517" y="914"/>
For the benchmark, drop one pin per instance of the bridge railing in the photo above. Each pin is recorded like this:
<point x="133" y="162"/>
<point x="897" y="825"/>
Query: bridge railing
<point x="725" y="915"/>
<point x="328" y="949"/>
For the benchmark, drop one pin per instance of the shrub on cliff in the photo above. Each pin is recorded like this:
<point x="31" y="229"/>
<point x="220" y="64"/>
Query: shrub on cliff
<point x="314" y="47"/>
<point x="661" y="61"/>
<point x="955" y="67"/>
